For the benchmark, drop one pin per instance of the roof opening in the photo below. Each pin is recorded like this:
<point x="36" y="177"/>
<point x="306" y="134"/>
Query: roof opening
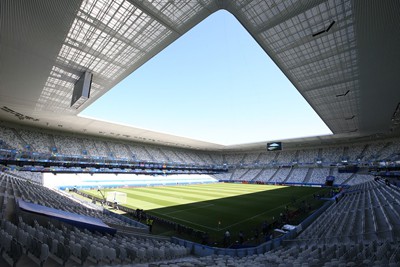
<point x="215" y="84"/>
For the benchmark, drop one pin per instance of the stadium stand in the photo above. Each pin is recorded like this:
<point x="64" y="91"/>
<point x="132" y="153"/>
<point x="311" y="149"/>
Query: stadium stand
<point x="94" y="149"/>
<point x="234" y="159"/>
<point x="266" y="175"/>
<point x="191" y="157"/>
<point x="286" y="157"/>
<point x="340" y="178"/>
<point x="372" y="151"/>
<point x="318" y="175"/>
<point x="223" y="176"/>
<point x="216" y="158"/>
<point x="156" y="154"/>
<point x="29" y="176"/>
<point x="370" y="238"/>
<point x="332" y="154"/>
<point x="39" y="142"/>
<point x="66" y="243"/>
<point x="8" y="138"/>
<point x="174" y="157"/>
<point x="308" y="156"/>
<point x="361" y="229"/>
<point x="119" y="150"/>
<point x="74" y="145"/>
<point x="67" y="145"/>
<point x="297" y="175"/>
<point x="251" y="174"/>
<point x="251" y="158"/>
<point x="44" y="142"/>
<point x="238" y="174"/>
<point x="340" y="56"/>
<point x="140" y="152"/>
<point x="281" y="175"/>
<point x="267" y="158"/>
<point x="359" y="178"/>
<point x="354" y="153"/>
<point x="390" y="151"/>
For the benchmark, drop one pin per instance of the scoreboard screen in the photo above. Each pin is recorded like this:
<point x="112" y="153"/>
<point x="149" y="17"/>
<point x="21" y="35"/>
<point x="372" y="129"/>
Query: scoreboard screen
<point x="274" y="146"/>
<point x="81" y="91"/>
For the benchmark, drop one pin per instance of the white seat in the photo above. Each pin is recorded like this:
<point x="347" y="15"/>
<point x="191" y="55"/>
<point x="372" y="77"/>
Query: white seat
<point x="77" y="250"/>
<point x="44" y="253"/>
<point x="150" y="253"/>
<point x="99" y="254"/>
<point x="54" y="246"/>
<point x="141" y="254"/>
<point x="92" y="251"/>
<point x="122" y="254"/>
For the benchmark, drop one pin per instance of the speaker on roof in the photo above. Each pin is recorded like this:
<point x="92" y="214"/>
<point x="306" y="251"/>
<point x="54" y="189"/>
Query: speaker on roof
<point x="81" y="91"/>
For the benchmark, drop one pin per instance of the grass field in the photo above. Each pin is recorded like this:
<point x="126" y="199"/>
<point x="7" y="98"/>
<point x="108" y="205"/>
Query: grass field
<point x="215" y="208"/>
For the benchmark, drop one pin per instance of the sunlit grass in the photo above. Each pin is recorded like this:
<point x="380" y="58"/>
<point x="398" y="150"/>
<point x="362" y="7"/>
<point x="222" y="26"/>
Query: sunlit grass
<point x="215" y="208"/>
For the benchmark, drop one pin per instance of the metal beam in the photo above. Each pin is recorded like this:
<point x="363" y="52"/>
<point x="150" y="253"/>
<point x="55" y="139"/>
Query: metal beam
<point x="290" y="12"/>
<point x="327" y="84"/>
<point x="146" y="7"/>
<point x="98" y="24"/>
<point x="308" y="38"/>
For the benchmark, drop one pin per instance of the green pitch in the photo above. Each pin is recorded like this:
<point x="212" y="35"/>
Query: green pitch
<point x="215" y="208"/>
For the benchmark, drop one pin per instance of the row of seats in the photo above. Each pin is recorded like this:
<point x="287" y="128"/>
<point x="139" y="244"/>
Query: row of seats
<point x="45" y="142"/>
<point x="306" y="255"/>
<point x="69" y="244"/>
<point x="16" y="241"/>
<point x="44" y="196"/>
<point x="294" y="175"/>
<point x="361" y="228"/>
<point x="369" y="213"/>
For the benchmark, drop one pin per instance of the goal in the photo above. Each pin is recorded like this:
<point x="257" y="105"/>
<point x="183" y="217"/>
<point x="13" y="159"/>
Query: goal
<point x="114" y="196"/>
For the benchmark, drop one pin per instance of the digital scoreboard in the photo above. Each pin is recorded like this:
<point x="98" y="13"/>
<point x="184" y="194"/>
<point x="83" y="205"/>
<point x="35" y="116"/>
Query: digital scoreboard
<point x="274" y="146"/>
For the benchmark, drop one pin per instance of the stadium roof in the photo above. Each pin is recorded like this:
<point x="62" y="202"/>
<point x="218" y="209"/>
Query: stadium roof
<point x="342" y="56"/>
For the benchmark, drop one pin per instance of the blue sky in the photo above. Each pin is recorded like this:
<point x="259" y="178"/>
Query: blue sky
<point x="215" y="84"/>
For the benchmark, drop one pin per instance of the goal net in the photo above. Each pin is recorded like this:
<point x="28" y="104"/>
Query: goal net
<point x="115" y="196"/>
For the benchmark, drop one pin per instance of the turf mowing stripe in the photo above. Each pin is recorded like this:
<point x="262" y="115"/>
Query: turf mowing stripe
<point x="190" y="188"/>
<point x="180" y="198"/>
<point x="137" y="203"/>
<point x="152" y="198"/>
<point x="212" y="192"/>
<point x="185" y="195"/>
<point x="203" y="194"/>
<point x="196" y="191"/>
<point x="190" y="193"/>
<point x="236" y="188"/>
<point x="228" y="186"/>
<point x="230" y="192"/>
<point x="156" y="197"/>
<point x="167" y="193"/>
